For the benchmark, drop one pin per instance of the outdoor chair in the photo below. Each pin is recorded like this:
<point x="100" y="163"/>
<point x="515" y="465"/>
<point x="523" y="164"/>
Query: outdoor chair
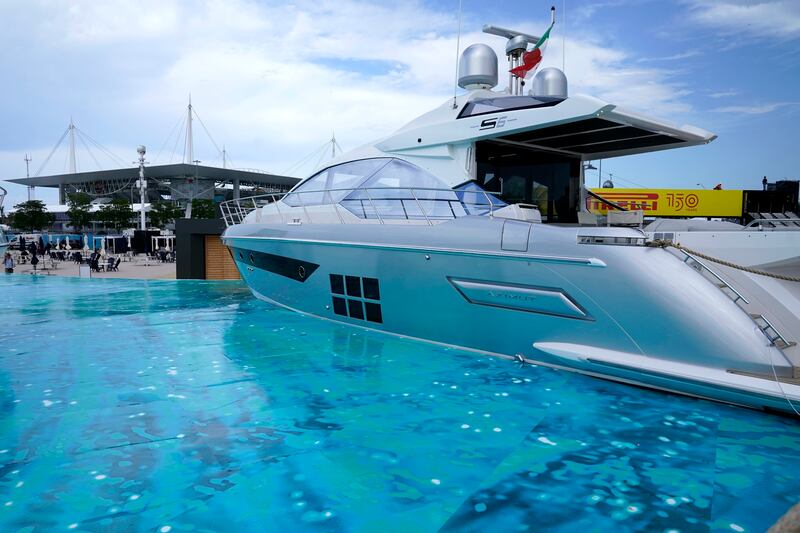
<point x="112" y="265"/>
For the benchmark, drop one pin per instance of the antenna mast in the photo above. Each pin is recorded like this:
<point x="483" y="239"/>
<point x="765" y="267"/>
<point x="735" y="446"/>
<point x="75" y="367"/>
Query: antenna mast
<point x="72" y="169"/>
<point x="458" y="49"/>
<point x="28" y="175"/>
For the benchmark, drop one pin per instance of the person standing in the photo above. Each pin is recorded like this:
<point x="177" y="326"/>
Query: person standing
<point x="764" y="183"/>
<point x="8" y="263"/>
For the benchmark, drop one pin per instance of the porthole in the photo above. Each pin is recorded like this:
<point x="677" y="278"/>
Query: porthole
<point x="301" y="271"/>
<point x="252" y="260"/>
<point x="241" y="256"/>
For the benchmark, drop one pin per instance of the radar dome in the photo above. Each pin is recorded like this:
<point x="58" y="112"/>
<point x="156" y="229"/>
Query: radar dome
<point x="477" y="68"/>
<point x="550" y="82"/>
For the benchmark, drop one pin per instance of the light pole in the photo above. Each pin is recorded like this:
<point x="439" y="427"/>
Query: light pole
<point x="142" y="188"/>
<point x="28" y="175"/>
<point x="188" y="213"/>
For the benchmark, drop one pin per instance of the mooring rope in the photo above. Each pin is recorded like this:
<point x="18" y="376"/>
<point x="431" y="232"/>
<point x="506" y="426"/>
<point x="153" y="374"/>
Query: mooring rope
<point x="666" y="244"/>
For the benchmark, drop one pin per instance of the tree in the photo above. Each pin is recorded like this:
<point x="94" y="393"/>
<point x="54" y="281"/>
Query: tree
<point x="116" y="214"/>
<point x="79" y="209"/>
<point x="31" y="215"/>
<point x="203" y="209"/>
<point x="163" y="213"/>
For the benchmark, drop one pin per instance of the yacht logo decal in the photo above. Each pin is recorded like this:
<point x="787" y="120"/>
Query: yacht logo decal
<point x="356" y="297"/>
<point x="277" y="264"/>
<point x="492" y="123"/>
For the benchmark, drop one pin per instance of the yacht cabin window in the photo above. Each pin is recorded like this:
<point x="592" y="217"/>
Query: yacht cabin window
<point x="484" y="106"/>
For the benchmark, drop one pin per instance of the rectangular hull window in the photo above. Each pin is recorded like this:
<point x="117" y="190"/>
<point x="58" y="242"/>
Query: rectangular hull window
<point x="337" y="284"/>
<point x="339" y="306"/>
<point x="353" y="286"/>
<point x="371" y="289"/>
<point x="362" y="300"/>
<point x="373" y="312"/>
<point x="356" y="309"/>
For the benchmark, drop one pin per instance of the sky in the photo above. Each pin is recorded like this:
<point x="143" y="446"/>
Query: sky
<point x="272" y="81"/>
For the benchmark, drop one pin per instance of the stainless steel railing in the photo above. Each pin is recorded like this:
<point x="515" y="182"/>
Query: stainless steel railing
<point x="377" y="203"/>
<point x="776" y="223"/>
<point x="703" y="267"/>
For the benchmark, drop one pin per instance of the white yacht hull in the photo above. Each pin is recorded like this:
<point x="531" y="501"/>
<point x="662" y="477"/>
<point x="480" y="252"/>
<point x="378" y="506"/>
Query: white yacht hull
<point x="640" y="304"/>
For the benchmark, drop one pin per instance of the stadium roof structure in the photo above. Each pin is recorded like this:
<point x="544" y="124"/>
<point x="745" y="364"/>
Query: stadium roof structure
<point x="175" y="179"/>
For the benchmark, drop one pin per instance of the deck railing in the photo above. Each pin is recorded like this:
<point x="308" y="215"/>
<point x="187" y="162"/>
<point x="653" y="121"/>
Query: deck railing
<point x="376" y="203"/>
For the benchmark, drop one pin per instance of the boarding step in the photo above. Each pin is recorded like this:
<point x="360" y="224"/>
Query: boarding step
<point x="772" y="334"/>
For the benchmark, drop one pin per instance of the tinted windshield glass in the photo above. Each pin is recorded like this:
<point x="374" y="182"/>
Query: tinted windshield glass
<point x="402" y="174"/>
<point x="476" y="200"/>
<point x="506" y="103"/>
<point x="320" y="188"/>
<point x="402" y="190"/>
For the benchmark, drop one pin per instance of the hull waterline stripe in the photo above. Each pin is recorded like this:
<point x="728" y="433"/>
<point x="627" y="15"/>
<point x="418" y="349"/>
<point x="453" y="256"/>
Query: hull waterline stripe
<point x="583" y="261"/>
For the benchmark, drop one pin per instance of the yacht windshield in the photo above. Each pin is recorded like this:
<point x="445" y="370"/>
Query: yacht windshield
<point x="326" y="186"/>
<point x="389" y="188"/>
<point x="403" y="190"/>
<point x="476" y="200"/>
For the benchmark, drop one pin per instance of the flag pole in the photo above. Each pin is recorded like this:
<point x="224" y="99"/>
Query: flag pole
<point x="563" y="34"/>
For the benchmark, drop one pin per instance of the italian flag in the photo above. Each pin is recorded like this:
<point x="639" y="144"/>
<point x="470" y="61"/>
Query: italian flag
<point x="531" y="59"/>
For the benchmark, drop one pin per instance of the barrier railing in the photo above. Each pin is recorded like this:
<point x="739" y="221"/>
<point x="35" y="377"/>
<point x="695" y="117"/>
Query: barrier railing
<point x="376" y="203"/>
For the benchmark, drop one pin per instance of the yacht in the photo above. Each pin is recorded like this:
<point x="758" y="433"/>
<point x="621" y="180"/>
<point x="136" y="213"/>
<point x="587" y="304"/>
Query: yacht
<point x="436" y="233"/>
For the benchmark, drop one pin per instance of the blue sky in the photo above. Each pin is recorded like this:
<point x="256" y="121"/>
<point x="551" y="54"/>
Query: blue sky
<point x="272" y="80"/>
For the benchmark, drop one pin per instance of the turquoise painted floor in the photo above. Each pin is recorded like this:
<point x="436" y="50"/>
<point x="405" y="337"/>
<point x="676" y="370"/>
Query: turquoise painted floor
<point x="189" y="406"/>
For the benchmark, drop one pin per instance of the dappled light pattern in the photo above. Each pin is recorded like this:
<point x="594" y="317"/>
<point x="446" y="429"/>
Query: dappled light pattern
<point x="190" y="406"/>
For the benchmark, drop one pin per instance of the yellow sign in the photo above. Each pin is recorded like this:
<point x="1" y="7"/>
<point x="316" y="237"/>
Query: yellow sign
<point x="670" y="202"/>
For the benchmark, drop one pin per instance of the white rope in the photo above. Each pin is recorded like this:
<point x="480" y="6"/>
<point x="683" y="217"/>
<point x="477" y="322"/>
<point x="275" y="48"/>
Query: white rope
<point x="780" y="386"/>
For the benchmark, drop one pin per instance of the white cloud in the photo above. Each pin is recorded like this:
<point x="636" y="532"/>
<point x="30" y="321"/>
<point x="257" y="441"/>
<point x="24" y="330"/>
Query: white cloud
<point x="769" y="19"/>
<point x="759" y="109"/>
<point x="723" y="94"/>
<point x="672" y="57"/>
<point x="272" y="80"/>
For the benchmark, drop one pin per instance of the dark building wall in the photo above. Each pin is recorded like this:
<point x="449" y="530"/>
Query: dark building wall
<point x="190" y="246"/>
<point x="775" y="200"/>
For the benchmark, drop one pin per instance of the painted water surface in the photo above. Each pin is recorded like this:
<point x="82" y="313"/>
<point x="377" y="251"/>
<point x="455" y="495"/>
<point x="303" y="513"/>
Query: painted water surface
<point x="190" y="406"/>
